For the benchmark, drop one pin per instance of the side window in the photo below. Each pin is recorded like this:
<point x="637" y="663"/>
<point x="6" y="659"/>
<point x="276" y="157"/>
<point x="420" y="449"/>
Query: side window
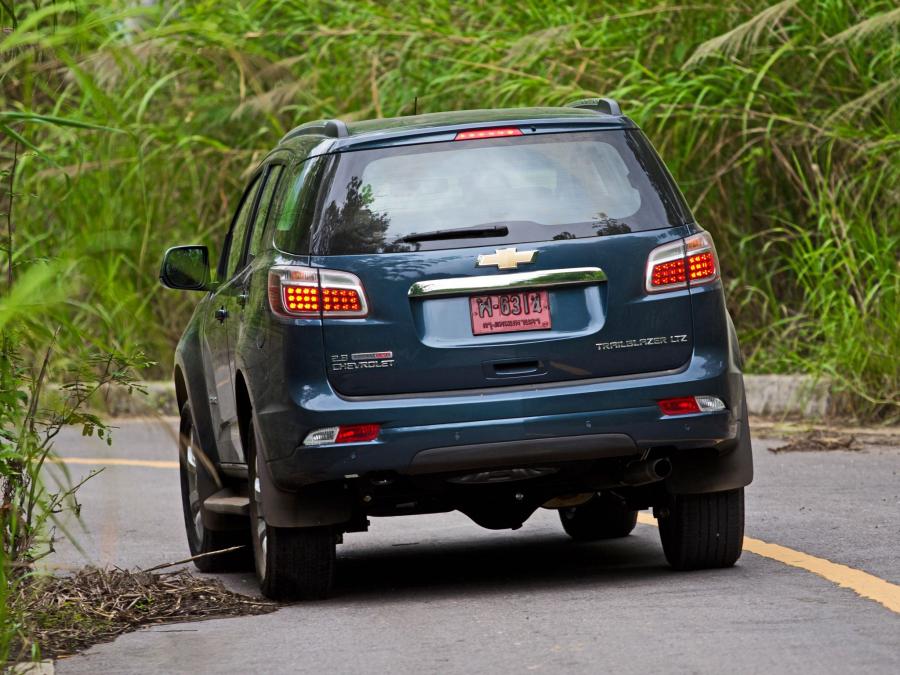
<point x="266" y="202"/>
<point x="239" y="230"/>
<point x="299" y="201"/>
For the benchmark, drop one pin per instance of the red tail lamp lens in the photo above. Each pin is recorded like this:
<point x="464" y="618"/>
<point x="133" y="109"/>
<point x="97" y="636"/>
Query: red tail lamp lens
<point x="357" y="433"/>
<point x="487" y="133"/>
<point x="701" y="266"/>
<point x="296" y="290"/>
<point x="667" y="273"/>
<point x="683" y="405"/>
<point x="340" y="300"/>
<point x="681" y="264"/>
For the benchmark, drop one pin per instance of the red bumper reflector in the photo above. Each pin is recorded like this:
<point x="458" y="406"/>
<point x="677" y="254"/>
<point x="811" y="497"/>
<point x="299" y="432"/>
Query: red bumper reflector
<point x="487" y="133"/>
<point x="683" y="405"/>
<point x="357" y="433"/>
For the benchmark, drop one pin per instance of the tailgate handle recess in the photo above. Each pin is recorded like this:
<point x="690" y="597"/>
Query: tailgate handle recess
<point x="517" y="368"/>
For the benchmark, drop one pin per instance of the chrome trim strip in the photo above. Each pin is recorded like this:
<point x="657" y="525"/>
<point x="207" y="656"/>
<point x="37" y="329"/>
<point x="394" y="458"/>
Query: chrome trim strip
<point x="575" y="276"/>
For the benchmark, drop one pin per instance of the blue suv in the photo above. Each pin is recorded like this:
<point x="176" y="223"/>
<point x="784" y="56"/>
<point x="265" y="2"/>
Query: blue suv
<point x="489" y="311"/>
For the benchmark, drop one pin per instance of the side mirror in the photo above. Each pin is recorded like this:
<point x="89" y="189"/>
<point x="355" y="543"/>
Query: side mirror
<point x="185" y="268"/>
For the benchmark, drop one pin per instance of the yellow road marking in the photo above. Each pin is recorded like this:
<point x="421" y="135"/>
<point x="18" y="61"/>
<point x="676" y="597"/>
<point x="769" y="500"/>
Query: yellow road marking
<point x="862" y="583"/>
<point x="117" y="461"/>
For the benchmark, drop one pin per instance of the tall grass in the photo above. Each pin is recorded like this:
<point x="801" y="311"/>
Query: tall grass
<point x="780" y="122"/>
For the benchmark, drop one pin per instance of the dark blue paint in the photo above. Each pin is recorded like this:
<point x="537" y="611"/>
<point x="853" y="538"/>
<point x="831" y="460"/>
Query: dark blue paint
<point x="441" y="392"/>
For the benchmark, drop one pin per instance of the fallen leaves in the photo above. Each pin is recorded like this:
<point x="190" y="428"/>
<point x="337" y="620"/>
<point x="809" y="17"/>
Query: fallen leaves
<point x="818" y="441"/>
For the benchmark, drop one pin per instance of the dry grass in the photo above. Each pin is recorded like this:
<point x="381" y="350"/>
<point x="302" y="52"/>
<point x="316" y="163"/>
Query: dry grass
<point x="820" y="441"/>
<point x="64" y="615"/>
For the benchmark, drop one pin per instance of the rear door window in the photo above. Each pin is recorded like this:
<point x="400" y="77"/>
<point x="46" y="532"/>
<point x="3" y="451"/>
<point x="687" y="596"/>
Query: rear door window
<point x="524" y="189"/>
<point x="266" y="200"/>
<point x="298" y="202"/>
<point x="234" y="245"/>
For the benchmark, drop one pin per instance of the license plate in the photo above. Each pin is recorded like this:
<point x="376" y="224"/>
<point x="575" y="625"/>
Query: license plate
<point x="510" y="312"/>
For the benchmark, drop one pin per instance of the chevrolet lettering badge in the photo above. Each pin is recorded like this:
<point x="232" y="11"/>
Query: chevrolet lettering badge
<point x="506" y="258"/>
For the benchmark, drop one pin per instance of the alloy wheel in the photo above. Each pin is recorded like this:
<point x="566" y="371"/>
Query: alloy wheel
<point x="260" y="524"/>
<point x="194" y="491"/>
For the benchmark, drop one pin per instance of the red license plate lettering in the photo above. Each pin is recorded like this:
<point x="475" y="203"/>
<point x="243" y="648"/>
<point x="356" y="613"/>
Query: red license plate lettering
<point x="510" y="312"/>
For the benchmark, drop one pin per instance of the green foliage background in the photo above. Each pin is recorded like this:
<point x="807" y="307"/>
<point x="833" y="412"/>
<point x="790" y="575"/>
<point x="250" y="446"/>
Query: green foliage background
<point x="780" y="122"/>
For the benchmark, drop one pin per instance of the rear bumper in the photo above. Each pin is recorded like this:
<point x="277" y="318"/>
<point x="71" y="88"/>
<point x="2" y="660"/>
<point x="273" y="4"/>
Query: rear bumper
<point x="503" y="427"/>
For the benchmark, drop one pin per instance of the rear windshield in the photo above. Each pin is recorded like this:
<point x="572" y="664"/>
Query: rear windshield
<point x="515" y="190"/>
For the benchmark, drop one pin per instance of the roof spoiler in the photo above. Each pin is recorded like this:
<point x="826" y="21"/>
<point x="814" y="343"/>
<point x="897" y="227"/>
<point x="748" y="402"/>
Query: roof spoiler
<point x="607" y="106"/>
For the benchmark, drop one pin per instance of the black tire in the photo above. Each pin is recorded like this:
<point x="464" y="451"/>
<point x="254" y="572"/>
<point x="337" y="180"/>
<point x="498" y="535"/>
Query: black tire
<point x="605" y="516"/>
<point x="291" y="563"/>
<point x="703" y="531"/>
<point x="197" y="485"/>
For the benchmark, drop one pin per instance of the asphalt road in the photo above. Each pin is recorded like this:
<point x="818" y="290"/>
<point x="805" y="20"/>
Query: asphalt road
<point x="437" y="593"/>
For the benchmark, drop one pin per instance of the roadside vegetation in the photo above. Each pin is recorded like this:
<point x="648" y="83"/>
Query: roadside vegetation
<point x="127" y="127"/>
<point x="780" y="121"/>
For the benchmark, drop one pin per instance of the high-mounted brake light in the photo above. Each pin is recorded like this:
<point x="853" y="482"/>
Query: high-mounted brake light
<point x="487" y="133"/>
<point x="691" y="261"/>
<point x="309" y="292"/>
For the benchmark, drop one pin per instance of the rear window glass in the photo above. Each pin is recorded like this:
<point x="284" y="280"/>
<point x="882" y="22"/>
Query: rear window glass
<point x="520" y="189"/>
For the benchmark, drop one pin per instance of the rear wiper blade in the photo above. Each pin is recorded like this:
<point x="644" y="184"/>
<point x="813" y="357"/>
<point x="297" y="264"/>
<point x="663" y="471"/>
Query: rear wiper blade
<point x="458" y="233"/>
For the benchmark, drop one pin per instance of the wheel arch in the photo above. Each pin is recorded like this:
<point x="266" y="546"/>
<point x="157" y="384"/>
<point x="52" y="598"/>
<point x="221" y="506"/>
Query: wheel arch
<point x="244" y="404"/>
<point x="190" y="387"/>
<point x="181" y="393"/>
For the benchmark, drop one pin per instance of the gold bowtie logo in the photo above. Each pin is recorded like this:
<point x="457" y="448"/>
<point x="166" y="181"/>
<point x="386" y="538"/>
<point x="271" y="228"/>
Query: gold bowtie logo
<point x="506" y="258"/>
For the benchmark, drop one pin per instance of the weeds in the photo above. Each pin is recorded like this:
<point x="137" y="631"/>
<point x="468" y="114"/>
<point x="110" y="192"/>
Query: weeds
<point x="34" y="314"/>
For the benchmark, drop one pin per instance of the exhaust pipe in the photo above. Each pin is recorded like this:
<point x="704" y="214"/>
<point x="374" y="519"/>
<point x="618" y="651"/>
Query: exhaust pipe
<point x="647" y="471"/>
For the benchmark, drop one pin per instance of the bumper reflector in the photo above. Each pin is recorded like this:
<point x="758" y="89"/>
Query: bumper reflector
<point x="351" y="433"/>
<point x="709" y="403"/>
<point x="686" y="405"/>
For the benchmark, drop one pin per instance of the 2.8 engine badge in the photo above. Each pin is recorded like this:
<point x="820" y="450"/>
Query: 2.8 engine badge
<point x="361" y="361"/>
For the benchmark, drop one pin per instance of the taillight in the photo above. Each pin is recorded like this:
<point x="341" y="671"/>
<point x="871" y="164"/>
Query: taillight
<point x="309" y="292"/>
<point x="487" y="133"/>
<point x="342" y="294"/>
<point x="691" y="261"/>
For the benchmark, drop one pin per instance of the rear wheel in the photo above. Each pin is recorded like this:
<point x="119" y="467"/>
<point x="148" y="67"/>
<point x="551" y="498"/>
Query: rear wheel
<point x="703" y="531"/>
<point x="196" y="485"/>
<point x="605" y="516"/>
<point x="292" y="563"/>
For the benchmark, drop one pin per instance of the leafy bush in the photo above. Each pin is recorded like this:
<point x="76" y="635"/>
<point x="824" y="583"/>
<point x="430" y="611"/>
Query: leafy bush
<point x="33" y="316"/>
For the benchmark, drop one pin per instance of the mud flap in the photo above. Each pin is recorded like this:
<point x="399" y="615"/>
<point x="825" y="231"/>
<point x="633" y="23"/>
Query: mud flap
<point x="311" y="506"/>
<point x="713" y="470"/>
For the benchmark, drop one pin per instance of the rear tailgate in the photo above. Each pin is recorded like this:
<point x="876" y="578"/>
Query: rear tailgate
<point x="438" y="232"/>
<point x="599" y="328"/>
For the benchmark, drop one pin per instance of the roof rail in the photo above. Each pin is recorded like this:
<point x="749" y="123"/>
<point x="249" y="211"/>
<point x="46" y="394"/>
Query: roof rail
<point x="608" y="106"/>
<point x="331" y="128"/>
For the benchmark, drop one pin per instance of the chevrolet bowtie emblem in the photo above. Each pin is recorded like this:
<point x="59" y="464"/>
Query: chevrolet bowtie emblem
<point x="506" y="258"/>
